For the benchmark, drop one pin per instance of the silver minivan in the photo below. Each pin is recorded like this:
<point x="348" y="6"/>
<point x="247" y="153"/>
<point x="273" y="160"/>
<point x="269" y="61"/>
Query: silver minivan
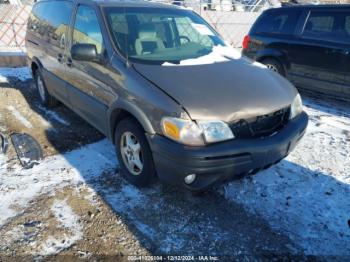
<point x="158" y="81"/>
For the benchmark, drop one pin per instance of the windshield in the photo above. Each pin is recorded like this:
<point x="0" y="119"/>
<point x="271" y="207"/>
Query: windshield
<point x="158" y="35"/>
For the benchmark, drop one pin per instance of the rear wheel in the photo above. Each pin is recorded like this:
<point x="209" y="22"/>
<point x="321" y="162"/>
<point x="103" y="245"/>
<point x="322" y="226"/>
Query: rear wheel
<point x="274" y="65"/>
<point x="44" y="96"/>
<point x="134" y="154"/>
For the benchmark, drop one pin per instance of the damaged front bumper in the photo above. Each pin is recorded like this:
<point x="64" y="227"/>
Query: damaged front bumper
<point x="225" y="160"/>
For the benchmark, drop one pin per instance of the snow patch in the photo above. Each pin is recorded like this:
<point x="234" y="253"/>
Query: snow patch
<point x="335" y="123"/>
<point x="218" y="54"/>
<point x="46" y="123"/>
<point x="12" y="50"/>
<point x="19" y="186"/>
<point x="130" y="201"/>
<point x="257" y="64"/>
<point x="307" y="194"/>
<point x="68" y="220"/>
<point x="65" y="215"/>
<point x="3" y="165"/>
<point x="11" y="236"/>
<point x="3" y="79"/>
<point x="49" y="127"/>
<point x="19" y="117"/>
<point x="53" y="115"/>
<point x="21" y="73"/>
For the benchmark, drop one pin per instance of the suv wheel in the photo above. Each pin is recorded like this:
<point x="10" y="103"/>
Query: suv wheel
<point x="274" y="65"/>
<point x="44" y="96"/>
<point x="134" y="154"/>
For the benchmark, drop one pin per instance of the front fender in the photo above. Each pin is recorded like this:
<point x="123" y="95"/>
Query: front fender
<point x="124" y="105"/>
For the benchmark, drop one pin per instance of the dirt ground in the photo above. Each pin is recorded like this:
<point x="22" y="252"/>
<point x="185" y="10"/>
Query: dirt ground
<point x="206" y="224"/>
<point x="57" y="130"/>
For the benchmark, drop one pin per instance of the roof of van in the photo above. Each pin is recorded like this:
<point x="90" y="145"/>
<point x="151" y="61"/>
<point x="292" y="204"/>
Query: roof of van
<point x="329" y="6"/>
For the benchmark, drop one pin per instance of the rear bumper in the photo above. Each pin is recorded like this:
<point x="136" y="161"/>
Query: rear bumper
<point x="223" y="160"/>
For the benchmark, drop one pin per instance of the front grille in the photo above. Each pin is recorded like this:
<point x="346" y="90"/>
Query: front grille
<point x="261" y="126"/>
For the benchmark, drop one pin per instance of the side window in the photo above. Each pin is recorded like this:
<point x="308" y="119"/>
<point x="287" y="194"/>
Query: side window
<point x="87" y="29"/>
<point x="319" y="23"/>
<point x="278" y="22"/>
<point x="57" y="16"/>
<point x="343" y="29"/>
<point x="35" y="22"/>
<point x="328" y="26"/>
<point x="347" y="24"/>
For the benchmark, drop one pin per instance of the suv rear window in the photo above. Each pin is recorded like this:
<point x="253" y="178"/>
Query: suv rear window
<point x="278" y="22"/>
<point x="329" y="26"/>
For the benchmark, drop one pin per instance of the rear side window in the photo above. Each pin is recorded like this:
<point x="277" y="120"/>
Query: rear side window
<point x="37" y="11"/>
<point x="278" y="22"/>
<point x="35" y="22"/>
<point x="51" y="21"/>
<point x="329" y="26"/>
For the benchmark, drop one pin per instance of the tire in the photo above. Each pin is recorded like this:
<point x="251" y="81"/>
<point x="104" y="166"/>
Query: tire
<point x="129" y="128"/>
<point x="274" y="65"/>
<point x="45" y="98"/>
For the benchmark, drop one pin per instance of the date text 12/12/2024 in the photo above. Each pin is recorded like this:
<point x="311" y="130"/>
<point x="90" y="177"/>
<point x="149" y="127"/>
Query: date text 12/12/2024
<point x="173" y="258"/>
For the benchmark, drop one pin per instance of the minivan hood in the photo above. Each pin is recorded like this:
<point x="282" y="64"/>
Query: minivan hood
<point x="226" y="90"/>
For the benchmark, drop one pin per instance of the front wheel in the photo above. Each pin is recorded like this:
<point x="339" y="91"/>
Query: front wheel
<point x="45" y="98"/>
<point x="134" y="154"/>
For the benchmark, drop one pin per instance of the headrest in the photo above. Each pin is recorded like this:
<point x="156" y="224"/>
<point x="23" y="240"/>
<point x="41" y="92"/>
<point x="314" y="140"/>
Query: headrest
<point x="147" y="31"/>
<point x="120" y="28"/>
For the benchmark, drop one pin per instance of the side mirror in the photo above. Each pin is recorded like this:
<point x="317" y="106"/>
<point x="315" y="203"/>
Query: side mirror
<point x="84" y="52"/>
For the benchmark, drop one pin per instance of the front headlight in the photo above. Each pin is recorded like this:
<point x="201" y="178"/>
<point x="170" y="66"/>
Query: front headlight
<point x="183" y="131"/>
<point x="189" y="133"/>
<point x="215" y="131"/>
<point x="296" y="107"/>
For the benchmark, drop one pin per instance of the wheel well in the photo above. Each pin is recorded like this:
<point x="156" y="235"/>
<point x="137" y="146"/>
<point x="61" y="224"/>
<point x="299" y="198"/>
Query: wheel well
<point x="261" y="59"/>
<point x="117" y="116"/>
<point x="269" y="57"/>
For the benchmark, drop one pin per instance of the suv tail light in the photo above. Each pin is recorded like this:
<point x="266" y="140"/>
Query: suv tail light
<point x="246" y="41"/>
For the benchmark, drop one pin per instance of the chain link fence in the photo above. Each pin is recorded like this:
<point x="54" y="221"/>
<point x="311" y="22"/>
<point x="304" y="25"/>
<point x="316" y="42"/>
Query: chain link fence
<point x="231" y="19"/>
<point x="232" y="26"/>
<point x="13" y="24"/>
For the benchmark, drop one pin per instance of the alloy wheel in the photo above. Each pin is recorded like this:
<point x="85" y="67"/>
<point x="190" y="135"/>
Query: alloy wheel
<point x="130" y="149"/>
<point x="272" y="68"/>
<point x="41" y="88"/>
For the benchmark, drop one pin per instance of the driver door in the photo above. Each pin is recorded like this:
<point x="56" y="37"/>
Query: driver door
<point x="88" y="89"/>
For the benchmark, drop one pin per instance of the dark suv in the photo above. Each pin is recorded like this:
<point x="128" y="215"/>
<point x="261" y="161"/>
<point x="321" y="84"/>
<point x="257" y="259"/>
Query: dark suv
<point x="310" y="45"/>
<point x="160" y="83"/>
